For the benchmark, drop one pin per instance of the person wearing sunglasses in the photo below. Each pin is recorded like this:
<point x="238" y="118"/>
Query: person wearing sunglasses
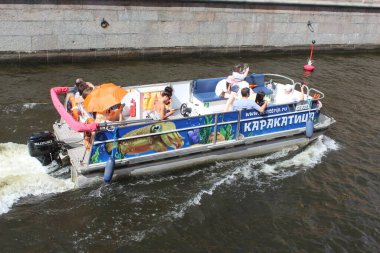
<point x="114" y="113"/>
<point x="111" y="114"/>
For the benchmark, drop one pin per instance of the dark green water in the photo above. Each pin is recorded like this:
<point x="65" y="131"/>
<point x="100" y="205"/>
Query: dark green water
<point x="324" y="198"/>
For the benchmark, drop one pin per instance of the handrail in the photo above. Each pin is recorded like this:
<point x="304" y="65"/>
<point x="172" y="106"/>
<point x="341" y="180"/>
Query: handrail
<point x="309" y="91"/>
<point x="277" y="75"/>
<point x="154" y="134"/>
<point x="317" y="91"/>
<point x="215" y="124"/>
<point x="75" y="125"/>
<point x="300" y="84"/>
<point x="108" y="124"/>
<point x="238" y="125"/>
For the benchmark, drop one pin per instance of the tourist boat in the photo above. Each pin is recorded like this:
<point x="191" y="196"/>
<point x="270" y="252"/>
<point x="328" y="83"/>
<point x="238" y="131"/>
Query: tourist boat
<point x="199" y="132"/>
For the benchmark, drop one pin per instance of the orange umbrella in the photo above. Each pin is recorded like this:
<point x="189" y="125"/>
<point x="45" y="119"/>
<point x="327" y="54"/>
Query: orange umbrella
<point x="103" y="97"/>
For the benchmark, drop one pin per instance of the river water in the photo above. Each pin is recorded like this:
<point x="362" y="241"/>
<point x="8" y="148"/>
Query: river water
<point x="323" y="198"/>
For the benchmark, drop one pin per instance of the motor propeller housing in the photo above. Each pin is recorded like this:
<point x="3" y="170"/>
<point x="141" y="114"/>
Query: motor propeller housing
<point x="43" y="146"/>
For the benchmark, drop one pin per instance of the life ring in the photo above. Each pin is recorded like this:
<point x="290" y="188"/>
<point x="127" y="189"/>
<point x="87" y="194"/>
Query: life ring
<point x="74" y="110"/>
<point x="316" y="96"/>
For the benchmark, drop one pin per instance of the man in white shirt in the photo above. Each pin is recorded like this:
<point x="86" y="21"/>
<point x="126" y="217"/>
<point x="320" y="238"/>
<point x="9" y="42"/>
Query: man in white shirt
<point x="289" y="96"/>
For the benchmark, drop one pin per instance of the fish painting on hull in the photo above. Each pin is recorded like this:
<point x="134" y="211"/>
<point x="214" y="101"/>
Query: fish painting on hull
<point x="157" y="143"/>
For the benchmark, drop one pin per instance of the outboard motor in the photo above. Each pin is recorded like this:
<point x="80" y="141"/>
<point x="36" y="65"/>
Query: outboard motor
<point x="43" y="146"/>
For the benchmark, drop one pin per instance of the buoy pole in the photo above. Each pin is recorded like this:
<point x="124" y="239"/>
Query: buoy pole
<point x="309" y="66"/>
<point x="311" y="51"/>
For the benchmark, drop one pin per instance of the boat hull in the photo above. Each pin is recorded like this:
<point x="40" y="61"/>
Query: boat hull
<point x="247" y="148"/>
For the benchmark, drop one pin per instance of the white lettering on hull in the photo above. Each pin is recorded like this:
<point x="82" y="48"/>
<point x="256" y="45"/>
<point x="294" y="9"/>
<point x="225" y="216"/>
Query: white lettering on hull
<point x="264" y="124"/>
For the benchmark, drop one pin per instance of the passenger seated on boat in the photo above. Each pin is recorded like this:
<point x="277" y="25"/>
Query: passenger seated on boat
<point x="288" y="95"/>
<point x="81" y="81"/>
<point x="78" y="81"/>
<point x="74" y="99"/>
<point x="111" y="114"/>
<point x="232" y="99"/>
<point x="84" y="115"/>
<point x="114" y="113"/>
<point x="246" y="103"/>
<point x="260" y="98"/>
<point x="240" y="73"/>
<point x="227" y="87"/>
<point x="80" y="86"/>
<point x="162" y="108"/>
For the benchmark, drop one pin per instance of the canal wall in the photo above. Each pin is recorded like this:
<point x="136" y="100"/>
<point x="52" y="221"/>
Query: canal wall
<point x="50" y="31"/>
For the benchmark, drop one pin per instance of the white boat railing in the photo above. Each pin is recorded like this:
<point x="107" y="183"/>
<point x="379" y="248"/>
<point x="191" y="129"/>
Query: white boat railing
<point x="281" y="76"/>
<point x="314" y="93"/>
<point x="216" y="124"/>
<point x="207" y="146"/>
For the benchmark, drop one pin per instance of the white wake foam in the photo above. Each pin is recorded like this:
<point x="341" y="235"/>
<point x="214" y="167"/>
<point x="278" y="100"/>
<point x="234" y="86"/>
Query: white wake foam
<point x="253" y="168"/>
<point x="32" y="105"/>
<point x="22" y="175"/>
<point x="307" y="159"/>
<point x="17" y="108"/>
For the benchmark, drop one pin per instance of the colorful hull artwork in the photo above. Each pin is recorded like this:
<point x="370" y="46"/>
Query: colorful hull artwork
<point x="149" y="138"/>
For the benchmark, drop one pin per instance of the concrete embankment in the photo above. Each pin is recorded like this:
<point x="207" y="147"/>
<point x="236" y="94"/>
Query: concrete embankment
<point x="68" y="31"/>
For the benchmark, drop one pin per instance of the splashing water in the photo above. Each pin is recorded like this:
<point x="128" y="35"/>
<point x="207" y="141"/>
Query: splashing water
<point x="17" y="108"/>
<point x="168" y="205"/>
<point x="22" y="175"/>
<point x="253" y="168"/>
<point x="307" y="159"/>
<point x="32" y="105"/>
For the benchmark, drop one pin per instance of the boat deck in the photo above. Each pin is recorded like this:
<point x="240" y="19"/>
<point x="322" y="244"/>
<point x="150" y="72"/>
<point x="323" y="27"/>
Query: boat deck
<point x="78" y="154"/>
<point x="79" y="157"/>
<point x="65" y="134"/>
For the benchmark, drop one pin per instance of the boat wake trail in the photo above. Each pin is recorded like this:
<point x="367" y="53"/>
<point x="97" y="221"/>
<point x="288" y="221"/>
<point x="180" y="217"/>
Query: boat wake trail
<point x="262" y="172"/>
<point x="307" y="159"/>
<point x="22" y="175"/>
<point x="29" y="106"/>
<point x="151" y="205"/>
<point x="17" y="108"/>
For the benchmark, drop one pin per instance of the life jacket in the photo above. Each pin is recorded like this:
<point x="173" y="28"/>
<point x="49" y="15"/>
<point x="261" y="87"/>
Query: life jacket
<point x="73" y="105"/>
<point x="88" y="135"/>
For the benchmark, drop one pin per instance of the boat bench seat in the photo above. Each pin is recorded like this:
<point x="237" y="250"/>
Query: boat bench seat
<point x="259" y="81"/>
<point x="204" y="89"/>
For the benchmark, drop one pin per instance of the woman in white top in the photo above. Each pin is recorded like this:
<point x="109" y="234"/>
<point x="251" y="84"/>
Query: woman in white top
<point x="240" y="72"/>
<point x="161" y="111"/>
<point x="227" y="87"/>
